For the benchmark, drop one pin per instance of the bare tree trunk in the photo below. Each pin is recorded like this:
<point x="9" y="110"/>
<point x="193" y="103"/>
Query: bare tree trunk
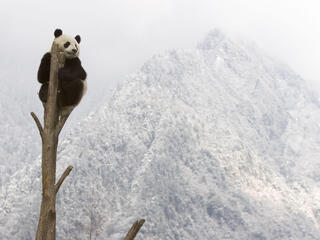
<point x="50" y="135"/>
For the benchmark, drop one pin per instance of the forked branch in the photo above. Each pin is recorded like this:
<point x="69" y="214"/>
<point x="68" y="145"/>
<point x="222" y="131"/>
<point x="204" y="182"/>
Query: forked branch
<point x="63" y="176"/>
<point x="61" y="123"/>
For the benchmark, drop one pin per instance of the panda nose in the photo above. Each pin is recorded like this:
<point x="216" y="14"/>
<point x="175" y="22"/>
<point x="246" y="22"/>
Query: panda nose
<point x="74" y="50"/>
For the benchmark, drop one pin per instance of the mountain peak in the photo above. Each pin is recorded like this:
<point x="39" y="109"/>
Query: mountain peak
<point x="213" y="39"/>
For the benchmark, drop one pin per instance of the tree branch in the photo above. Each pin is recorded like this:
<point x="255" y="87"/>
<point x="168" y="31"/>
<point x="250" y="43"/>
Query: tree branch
<point x="35" y="118"/>
<point x="63" y="176"/>
<point x="134" y="229"/>
<point x="61" y="123"/>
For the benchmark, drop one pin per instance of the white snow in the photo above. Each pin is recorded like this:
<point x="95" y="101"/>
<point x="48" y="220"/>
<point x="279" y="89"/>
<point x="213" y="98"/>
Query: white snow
<point x="218" y="142"/>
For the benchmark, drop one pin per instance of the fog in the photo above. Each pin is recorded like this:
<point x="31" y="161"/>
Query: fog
<point x="118" y="36"/>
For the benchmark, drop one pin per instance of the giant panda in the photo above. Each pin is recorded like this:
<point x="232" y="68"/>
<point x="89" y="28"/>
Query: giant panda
<point x="72" y="77"/>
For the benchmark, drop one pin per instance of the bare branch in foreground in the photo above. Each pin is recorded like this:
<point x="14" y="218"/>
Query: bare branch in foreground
<point x="63" y="176"/>
<point x="134" y="229"/>
<point x="36" y="119"/>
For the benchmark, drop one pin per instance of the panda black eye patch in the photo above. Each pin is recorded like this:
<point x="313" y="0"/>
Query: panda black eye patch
<point x="67" y="44"/>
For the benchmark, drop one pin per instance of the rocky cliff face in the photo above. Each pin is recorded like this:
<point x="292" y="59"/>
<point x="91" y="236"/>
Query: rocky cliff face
<point x="218" y="142"/>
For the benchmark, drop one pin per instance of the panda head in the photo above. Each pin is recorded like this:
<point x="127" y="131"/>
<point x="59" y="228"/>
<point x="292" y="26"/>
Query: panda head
<point x="69" y="45"/>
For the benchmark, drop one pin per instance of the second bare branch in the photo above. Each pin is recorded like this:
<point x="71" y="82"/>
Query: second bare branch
<point x="63" y="176"/>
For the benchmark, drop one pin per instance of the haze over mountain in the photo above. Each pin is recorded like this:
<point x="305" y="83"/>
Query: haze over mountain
<point x="217" y="142"/>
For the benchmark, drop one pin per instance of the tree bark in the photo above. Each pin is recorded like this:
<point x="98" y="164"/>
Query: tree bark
<point x="134" y="230"/>
<point x="50" y="135"/>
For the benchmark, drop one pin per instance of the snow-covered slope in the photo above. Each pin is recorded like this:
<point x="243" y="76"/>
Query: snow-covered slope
<point x="19" y="141"/>
<point x="218" y="142"/>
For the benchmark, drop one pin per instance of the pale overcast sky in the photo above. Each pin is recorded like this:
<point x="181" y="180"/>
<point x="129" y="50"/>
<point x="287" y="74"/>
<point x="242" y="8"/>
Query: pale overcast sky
<point x="118" y="36"/>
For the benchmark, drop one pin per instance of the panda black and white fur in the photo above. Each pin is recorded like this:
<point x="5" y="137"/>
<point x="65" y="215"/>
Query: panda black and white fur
<point x="72" y="77"/>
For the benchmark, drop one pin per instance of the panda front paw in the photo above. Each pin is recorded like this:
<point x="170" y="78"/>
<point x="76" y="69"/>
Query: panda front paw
<point x="47" y="57"/>
<point x="44" y="68"/>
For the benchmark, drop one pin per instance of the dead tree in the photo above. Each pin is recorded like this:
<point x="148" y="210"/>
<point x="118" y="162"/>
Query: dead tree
<point x="53" y="125"/>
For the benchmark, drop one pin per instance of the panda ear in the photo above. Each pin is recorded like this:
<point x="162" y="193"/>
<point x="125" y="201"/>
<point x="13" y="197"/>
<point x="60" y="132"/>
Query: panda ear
<point x="57" y="32"/>
<point x="78" y="38"/>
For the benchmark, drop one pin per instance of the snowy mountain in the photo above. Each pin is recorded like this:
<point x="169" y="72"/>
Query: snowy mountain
<point x="19" y="142"/>
<point x="218" y="142"/>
